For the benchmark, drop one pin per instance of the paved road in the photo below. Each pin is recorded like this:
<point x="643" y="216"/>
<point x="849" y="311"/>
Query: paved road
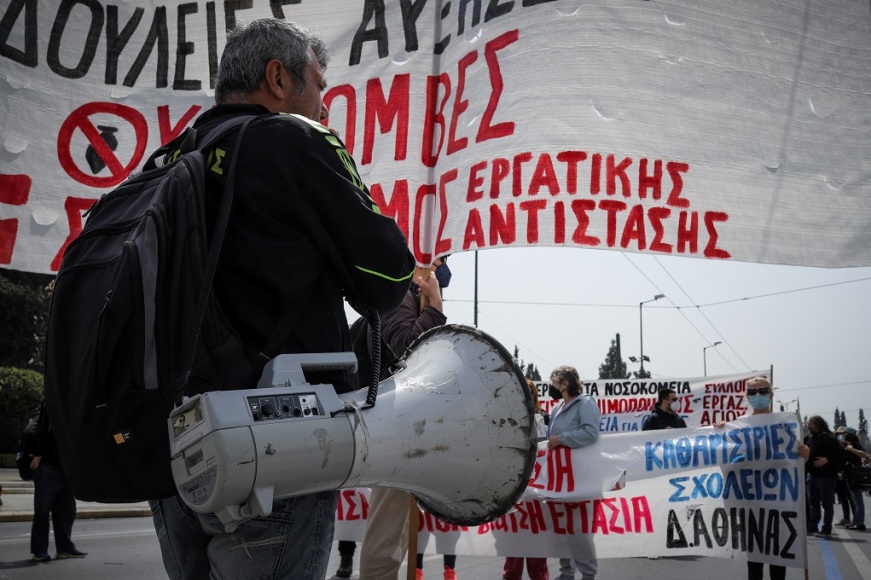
<point x="125" y="547"/>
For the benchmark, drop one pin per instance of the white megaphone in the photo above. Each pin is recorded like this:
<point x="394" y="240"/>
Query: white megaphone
<point x="454" y="428"/>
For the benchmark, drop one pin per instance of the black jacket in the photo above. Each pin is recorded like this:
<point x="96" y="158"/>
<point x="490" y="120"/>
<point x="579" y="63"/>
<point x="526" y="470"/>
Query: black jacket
<point x="303" y="235"/>
<point x="660" y="419"/>
<point x="37" y="439"/>
<point x="399" y="328"/>
<point x="402" y="326"/>
<point x="851" y="462"/>
<point x="825" y="445"/>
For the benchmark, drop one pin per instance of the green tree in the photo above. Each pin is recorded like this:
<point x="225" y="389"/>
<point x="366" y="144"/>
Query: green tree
<point x="529" y="370"/>
<point x="843" y="420"/>
<point x="20" y="394"/>
<point x="614" y="367"/>
<point x="532" y="372"/>
<point x="24" y="300"/>
<point x="863" y="423"/>
<point x="837" y="421"/>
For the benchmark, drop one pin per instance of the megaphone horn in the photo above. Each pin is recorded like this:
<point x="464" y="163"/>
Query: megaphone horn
<point x="454" y="428"/>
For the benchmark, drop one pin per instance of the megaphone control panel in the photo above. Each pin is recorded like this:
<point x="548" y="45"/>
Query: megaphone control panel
<point x="285" y="407"/>
<point x="233" y="451"/>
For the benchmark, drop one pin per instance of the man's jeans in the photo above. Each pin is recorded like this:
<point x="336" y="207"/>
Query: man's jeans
<point x="821" y="491"/>
<point x="859" y="508"/>
<point x="292" y="543"/>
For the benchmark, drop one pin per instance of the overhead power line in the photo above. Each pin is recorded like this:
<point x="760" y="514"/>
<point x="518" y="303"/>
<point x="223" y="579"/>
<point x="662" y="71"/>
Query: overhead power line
<point x="602" y="305"/>
<point x="782" y="292"/>
<point x="824" y="386"/>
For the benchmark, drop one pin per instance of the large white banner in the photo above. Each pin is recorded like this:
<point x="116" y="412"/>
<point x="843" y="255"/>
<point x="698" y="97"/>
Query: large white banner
<point x="735" y="492"/>
<point x="627" y="403"/>
<point x="719" y="130"/>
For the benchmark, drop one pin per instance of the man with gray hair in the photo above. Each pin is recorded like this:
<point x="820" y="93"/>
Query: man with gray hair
<point x="303" y="235"/>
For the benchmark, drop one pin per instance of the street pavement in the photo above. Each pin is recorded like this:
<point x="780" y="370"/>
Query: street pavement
<point x="845" y="556"/>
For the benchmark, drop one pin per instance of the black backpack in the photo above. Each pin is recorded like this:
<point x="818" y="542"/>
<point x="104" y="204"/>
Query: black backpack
<point x="126" y="312"/>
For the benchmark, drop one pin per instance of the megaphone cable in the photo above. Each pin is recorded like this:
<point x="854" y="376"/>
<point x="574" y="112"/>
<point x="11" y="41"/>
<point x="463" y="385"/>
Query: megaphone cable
<point x="374" y="320"/>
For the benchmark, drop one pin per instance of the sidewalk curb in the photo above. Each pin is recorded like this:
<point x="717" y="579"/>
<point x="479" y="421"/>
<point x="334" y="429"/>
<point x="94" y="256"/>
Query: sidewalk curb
<point x="85" y="514"/>
<point x="17" y="497"/>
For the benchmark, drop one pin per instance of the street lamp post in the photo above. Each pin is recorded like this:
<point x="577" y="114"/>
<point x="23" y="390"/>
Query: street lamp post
<point x="785" y="406"/>
<point x="704" y="355"/>
<point x="641" y="327"/>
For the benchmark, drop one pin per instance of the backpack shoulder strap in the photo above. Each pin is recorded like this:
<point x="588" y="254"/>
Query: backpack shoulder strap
<point x="187" y="142"/>
<point x="221" y="131"/>
<point x="219" y="230"/>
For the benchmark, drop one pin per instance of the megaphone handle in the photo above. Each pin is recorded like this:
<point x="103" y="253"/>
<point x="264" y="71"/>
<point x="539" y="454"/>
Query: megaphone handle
<point x="422" y="273"/>
<point x="412" y="538"/>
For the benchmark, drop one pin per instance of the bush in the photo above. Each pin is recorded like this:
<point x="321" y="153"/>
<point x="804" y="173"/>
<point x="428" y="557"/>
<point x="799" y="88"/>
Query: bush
<point x="20" y="394"/>
<point x="24" y="301"/>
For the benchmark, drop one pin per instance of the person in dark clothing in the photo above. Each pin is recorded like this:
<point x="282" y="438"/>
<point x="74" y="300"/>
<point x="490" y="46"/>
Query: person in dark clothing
<point x="822" y="466"/>
<point x="347" y="548"/>
<point x="52" y="497"/>
<point x="854" y="456"/>
<point x="842" y="488"/>
<point x="663" y="415"/>
<point x="304" y="234"/>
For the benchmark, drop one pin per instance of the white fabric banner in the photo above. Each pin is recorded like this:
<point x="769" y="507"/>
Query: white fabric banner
<point x="718" y="130"/>
<point x="626" y="403"/>
<point x="736" y="493"/>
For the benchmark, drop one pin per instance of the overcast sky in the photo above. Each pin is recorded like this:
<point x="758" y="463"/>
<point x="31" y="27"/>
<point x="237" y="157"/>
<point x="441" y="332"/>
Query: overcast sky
<point x="565" y="305"/>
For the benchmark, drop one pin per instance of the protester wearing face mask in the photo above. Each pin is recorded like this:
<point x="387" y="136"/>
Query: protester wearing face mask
<point x="442" y="272"/>
<point x="664" y="415"/>
<point x="574" y="423"/>
<point x="759" y="393"/>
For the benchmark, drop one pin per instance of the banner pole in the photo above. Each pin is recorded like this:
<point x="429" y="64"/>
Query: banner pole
<point x="423" y="273"/>
<point x="802" y="487"/>
<point x="412" y="539"/>
<point x="771" y="380"/>
<point x="475" y="309"/>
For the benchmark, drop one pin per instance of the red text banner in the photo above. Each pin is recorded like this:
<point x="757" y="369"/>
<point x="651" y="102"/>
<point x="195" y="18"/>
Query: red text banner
<point x="707" y="129"/>
<point x="735" y="492"/>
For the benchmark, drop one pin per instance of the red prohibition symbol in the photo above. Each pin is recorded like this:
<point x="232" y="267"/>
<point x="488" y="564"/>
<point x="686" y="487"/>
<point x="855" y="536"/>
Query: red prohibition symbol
<point x="81" y="119"/>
